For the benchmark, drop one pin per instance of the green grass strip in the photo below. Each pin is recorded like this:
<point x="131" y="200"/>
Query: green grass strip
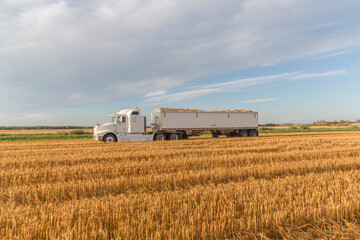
<point x="42" y="136"/>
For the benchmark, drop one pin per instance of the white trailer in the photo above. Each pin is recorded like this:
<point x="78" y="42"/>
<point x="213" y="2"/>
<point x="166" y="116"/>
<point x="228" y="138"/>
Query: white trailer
<point x="175" y="124"/>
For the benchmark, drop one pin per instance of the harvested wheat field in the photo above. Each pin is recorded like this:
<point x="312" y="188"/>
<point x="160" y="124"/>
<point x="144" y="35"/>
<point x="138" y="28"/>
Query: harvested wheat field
<point x="282" y="186"/>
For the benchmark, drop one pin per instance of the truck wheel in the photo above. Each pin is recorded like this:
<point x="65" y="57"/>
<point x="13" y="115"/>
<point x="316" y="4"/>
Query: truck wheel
<point x="253" y="133"/>
<point x="174" y="136"/>
<point x="215" y="134"/>
<point x="110" y="138"/>
<point x="243" y="133"/>
<point x="160" y="137"/>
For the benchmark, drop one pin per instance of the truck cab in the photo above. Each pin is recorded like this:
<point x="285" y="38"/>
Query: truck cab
<point x="124" y="124"/>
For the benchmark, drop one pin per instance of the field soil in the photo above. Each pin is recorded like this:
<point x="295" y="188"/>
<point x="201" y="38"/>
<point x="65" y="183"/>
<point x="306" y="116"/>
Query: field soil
<point x="277" y="186"/>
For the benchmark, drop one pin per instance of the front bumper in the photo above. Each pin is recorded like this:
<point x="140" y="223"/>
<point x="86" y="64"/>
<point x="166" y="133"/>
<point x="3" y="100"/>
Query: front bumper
<point x="96" y="135"/>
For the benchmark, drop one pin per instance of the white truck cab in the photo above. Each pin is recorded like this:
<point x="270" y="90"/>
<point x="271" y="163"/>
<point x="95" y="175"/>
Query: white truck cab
<point x="129" y="121"/>
<point x="126" y="125"/>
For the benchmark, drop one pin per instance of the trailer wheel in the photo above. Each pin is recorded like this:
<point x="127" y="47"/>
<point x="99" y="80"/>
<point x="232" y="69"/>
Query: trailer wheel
<point x="174" y="136"/>
<point x="215" y="134"/>
<point x="243" y="133"/>
<point x="253" y="133"/>
<point x="110" y="138"/>
<point x="160" y="137"/>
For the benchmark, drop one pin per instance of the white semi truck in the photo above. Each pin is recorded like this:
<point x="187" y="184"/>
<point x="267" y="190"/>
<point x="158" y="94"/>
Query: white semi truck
<point x="174" y="124"/>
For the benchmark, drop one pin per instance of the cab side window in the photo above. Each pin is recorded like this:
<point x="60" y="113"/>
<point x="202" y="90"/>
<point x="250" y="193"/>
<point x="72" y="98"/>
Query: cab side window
<point x="123" y="119"/>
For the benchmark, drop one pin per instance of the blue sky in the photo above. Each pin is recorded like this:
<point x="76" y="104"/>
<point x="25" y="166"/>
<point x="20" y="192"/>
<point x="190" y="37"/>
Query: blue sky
<point x="77" y="62"/>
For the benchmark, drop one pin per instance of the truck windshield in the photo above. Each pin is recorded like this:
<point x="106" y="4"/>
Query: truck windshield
<point x="113" y="119"/>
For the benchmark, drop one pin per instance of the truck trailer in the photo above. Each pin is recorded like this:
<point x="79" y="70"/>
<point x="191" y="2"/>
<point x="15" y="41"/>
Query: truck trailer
<point x="175" y="124"/>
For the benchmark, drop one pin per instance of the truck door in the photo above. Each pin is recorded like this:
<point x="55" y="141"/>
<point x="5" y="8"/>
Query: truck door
<point x="121" y="124"/>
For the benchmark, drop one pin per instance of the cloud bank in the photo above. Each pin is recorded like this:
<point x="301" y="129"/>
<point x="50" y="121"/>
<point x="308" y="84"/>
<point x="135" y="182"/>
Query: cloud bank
<point x="58" y="54"/>
<point x="237" y="85"/>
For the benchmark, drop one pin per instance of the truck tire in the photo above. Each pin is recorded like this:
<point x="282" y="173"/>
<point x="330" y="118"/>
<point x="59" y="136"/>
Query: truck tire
<point x="253" y="133"/>
<point x="109" y="138"/>
<point x="214" y="134"/>
<point x="174" y="136"/>
<point x="243" y="133"/>
<point x="160" y="137"/>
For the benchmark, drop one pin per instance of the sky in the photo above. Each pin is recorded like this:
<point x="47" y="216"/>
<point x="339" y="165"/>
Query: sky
<point x="66" y="62"/>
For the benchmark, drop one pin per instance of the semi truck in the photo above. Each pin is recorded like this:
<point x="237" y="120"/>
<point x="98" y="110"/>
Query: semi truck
<point x="175" y="124"/>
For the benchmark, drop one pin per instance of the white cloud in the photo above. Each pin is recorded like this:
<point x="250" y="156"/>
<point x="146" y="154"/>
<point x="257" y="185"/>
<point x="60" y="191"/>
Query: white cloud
<point x="260" y="100"/>
<point x="316" y="75"/>
<point x="35" y="116"/>
<point x="246" y="82"/>
<point x="57" y="53"/>
<point x="218" y="87"/>
<point x="155" y="93"/>
<point x="237" y="85"/>
<point x="332" y="55"/>
<point x="184" y="95"/>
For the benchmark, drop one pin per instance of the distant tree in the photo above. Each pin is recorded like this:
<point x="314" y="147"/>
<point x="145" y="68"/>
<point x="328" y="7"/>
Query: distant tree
<point x="271" y="124"/>
<point x="322" y="123"/>
<point x="293" y="127"/>
<point x="305" y="127"/>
